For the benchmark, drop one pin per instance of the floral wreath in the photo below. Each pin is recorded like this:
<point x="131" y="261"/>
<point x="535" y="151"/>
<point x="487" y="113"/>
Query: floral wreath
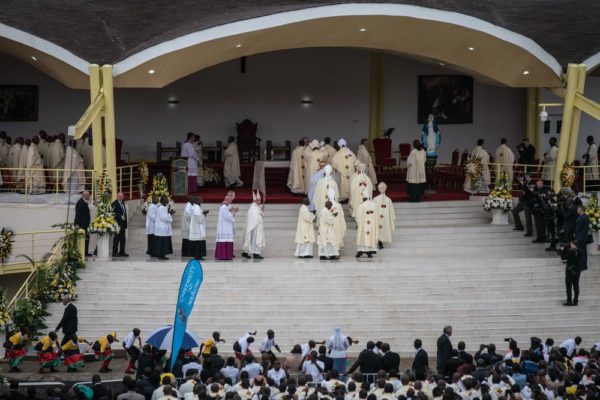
<point x="568" y="175"/>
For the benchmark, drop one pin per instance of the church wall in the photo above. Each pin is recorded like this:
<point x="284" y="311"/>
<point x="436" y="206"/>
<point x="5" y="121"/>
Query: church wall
<point x="270" y="92"/>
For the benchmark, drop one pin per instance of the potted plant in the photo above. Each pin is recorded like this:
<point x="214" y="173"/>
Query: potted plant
<point x="593" y="212"/>
<point x="499" y="202"/>
<point x="104" y="223"/>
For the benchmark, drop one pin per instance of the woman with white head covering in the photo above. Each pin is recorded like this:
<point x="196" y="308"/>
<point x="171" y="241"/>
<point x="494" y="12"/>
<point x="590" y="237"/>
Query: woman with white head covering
<point x="343" y="163"/>
<point x="337" y="346"/>
<point x="322" y="188"/>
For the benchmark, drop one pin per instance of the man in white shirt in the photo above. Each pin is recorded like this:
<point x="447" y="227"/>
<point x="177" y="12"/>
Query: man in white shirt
<point x="230" y="371"/>
<point x="132" y="351"/>
<point x="188" y="385"/>
<point x="252" y="367"/>
<point x="313" y="367"/>
<point x="309" y="346"/>
<point x="277" y="373"/>
<point x="570" y="344"/>
<point x="191" y="368"/>
<point x="242" y="345"/>
<point x="268" y="344"/>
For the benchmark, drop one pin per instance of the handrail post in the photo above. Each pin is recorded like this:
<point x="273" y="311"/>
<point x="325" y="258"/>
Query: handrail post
<point x="130" y="181"/>
<point x="33" y="248"/>
<point x="120" y="179"/>
<point x="26" y="191"/>
<point x="584" y="180"/>
<point x="56" y="192"/>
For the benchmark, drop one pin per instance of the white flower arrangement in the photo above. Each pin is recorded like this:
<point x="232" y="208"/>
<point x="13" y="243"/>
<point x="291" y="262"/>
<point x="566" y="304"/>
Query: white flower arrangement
<point x="501" y="197"/>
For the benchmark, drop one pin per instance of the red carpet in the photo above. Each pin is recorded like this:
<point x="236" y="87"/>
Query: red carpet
<point x="278" y="195"/>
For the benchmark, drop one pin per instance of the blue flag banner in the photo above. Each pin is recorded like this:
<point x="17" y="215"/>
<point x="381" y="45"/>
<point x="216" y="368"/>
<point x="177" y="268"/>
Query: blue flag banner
<point x="188" y="289"/>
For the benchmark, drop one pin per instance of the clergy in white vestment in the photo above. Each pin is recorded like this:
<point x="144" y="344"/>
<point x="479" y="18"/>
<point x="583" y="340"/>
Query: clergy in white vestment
<point x="482" y="184"/>
<point x="312" y="185"/>
<point x="188" y="150"/>
<point x="163" y="231"/>
<point x="591" y="160"/>
<point x="327" y="242"/>
<point x="415" y="172"/>
<point x="360" y="181"/>
<point x="550" y="161"/>
<point x="326" y="183"/>
<point x="231" y="166"/>
<point x="22" y="163"/>
<point x="14" y="154"/>
<point x="312" y="160"/>
<point x="226" y="228"/>
<point x="343" y="163"/>
<point x="4" y="150"/>
<point x="386" y="216"/>
<point x="56" y="153"/>
<point x="150" y="223"/>
<point x="328" y="148"/>
<point x="363" y="155"/>
<point x="73" y="176"/>
<point x="254" y="233"/>
<point x="305" y="231"/>
<point x="36" y="180"/>
<point x="295" y="181"/>
<point x="339" y="223"/>
<point x="505" y="158"/>
<point x="198" y="149"/>
<point x="367" y="232"/>
<point x="43" y="146"/>
<point x="87" y="152"/>
<point x="186" y="219"/>
<point x="197" y="239"/>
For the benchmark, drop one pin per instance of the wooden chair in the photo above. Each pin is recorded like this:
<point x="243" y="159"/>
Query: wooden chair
<point x="247" y="141"/>
<point x="403" y="153"/>
<point x="213" y="153"/>
<point x="383" y="153"/>
<point x="170" y="151"/>
<point x="272" y="151"/>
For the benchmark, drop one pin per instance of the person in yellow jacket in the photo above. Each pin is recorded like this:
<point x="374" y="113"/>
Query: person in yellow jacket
<point x="16" y="350"/>
<point x="103" y="350"/>
<point x="47" y="356"/>
<point x="73" y="359"/>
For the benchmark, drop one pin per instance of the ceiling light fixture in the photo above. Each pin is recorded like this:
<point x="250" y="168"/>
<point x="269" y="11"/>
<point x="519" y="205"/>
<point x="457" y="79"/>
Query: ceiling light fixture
<point x="151" y="71"/>
<point x="471" y="48"/>
<point x="363" y="29"/>
<point x="34" y="58"/>
<point x="441" y="63"/>
<point x="544" y="115"/>
<point x="238" y="45"/>
<point x="526" y="72"/>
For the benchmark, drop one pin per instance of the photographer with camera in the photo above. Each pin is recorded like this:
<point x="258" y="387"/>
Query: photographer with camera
<point x="539" y="208"/>
<point x="550" y="215"/>
<point x="524" y="205"/>
<point x="571" y="255"/>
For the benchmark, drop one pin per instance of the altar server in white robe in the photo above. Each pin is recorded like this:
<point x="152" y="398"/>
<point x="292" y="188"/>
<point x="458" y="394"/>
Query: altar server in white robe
<point x="367" y="233"/>
<point x="415" y="173"/>
<point x="326" y="183"/>
<point x="305" y="231"/>
<point x="22" y="163"/>
<point x="591" y="159"/>
<point x="73" y="181"/>
<point x="312" y="160"/>
<point x="296" y="182"/>
<point x="550" y="161"/>
<point x="198" y="230"/>
<point x="254" y="234"/>
<point x="363" y="155"/>
<point x="231" y="166"/>
<point x="482" y="185"/>
<point x="328" y="248"/>
<point x="343" y="162"/>
<point x="505" y="157"/>
<point x="226" y="228"/>
<point x="163" y="231"/>
<point x="386" y="216"/>
<point x="150" y="223"/>
<point x="339" y="223"/>
<point x="186" y="219"/>
<point x="37" y="179"/>
<point x="188" y="150"/>
<point x="360" y="182"/>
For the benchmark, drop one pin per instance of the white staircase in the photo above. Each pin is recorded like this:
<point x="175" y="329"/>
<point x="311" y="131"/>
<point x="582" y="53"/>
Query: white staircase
<point x="447" y="265"/>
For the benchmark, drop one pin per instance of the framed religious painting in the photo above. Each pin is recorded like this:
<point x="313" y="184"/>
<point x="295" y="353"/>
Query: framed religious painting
<point x="18" y="103"/>
<point x="448" y="97"/>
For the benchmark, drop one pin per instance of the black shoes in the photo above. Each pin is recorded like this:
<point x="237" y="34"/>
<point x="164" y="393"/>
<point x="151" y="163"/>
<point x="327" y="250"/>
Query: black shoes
<point x="380" y="245"/>
<point x="528" y="235"/>
<point x="246" y="255"/>
<point x="359" y="254"/>
<point x="518" y="229"/>
<point x="322" y="258"/>
<point x="123" y="255"/>
<point x="257" y="256"/>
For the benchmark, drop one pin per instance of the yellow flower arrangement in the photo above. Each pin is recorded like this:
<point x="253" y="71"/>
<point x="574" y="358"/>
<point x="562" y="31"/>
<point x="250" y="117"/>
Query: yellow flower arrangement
<point x="593" y="212"/>
<point x="568" y="175"/>
<point x="104" y="222"/>
<point x="473" y="168"/>
<point x="160" y="188"/>
<point x="501" y="197"/>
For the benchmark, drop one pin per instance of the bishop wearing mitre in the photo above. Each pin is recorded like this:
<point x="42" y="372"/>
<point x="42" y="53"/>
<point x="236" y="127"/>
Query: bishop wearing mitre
<point x="386" y="216"/>
<point x="312" y="161"/>
<point x="339" y="223"/>
<point x="363" y="155"/>
<point x="296" y="178"/>
<point x="360" y="182"/>
<point x="328" y="248"/>
<point x="305" y="231"/>
<point x="367" y="232"/>
<point x="343" y="163"/>
<point x="254" y="234"/>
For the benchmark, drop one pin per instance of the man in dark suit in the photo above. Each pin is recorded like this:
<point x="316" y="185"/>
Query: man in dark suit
<point x="454" y="363"/>
<point x="390" y="360"/>
<point x="83" y="218"/>
<point x="420" y="364"/>
<point x="444" y="349"/>
<point x="466" y="357"/>
<point x="368" y="361"/>
<point x="69" y="321"/>
<point x="121" y="216"/>
<point x="582" y="236"/>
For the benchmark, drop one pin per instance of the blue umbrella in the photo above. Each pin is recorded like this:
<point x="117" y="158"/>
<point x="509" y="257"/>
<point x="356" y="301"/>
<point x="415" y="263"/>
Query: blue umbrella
<point x="162" y="338"/>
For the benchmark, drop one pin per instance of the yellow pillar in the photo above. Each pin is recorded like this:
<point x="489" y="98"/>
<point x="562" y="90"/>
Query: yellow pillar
<point x="572" y="153"/>
<point x="376" y="93"/>
<point x="565" y="131"/>
<point x="95" y="80"/>
<point x="532" y="120"/>
<point x="109" y="127"/>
